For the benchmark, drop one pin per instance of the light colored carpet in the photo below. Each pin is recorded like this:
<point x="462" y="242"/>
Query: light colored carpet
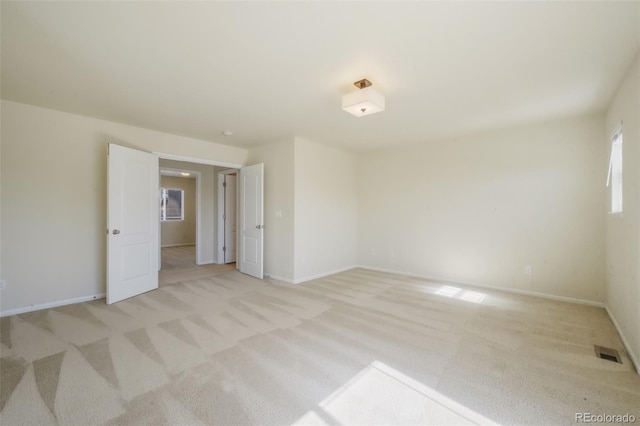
<point x="178" y="264"/>
<point x="358" y="347"/>
<point x="178" y="257"/>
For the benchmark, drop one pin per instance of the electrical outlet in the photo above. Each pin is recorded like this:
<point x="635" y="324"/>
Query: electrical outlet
<point x="3" y="284"/>
<point x="528" y="270"/>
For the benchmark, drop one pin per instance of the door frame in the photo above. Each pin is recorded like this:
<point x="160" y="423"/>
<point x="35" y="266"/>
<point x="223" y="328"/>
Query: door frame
<point x="166" y="156"/>
<point x="198" y="176"/>
<point x="220" y="212"/>
<point x="236" y="166"/>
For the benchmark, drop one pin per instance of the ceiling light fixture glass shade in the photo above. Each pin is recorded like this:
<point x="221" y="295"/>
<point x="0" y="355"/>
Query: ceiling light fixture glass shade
<point x="365" y="101"/>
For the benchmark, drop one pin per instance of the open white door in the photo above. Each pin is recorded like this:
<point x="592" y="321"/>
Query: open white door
<point x="132" y="222"/>
<point x="251" y="191"/>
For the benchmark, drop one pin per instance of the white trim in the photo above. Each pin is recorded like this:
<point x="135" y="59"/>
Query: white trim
<point x="635" y="361"/>
<point x="179" y="245"/>
<point x="279" y="278"/>
<point x="489" y="287"/>
<point x="52" y="305"/>
<point x="310" y="277"/>
<point x="197" y="160"/>
<point x="323" y="274"/>
<point x="220" y="212"/>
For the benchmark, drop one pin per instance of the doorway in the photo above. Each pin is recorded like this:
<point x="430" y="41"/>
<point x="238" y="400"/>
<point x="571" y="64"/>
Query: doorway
<point x="227" y="216"/>
<point x="249" y="214"/>
<point x="179" y="217"/>
<point x="134" y="228"/>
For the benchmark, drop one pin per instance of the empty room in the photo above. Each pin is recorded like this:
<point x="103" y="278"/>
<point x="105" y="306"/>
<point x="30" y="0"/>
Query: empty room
<point x="319" y="213"/>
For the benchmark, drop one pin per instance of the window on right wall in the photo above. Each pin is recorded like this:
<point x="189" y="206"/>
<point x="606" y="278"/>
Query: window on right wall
<point x="614" y="179"/>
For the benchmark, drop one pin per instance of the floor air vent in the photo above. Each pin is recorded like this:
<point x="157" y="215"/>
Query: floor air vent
<point x="608" y="354"/>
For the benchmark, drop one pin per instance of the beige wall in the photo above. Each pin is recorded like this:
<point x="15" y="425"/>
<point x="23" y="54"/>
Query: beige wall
<point x="325" y="210"/>
<point x="475" y="209"/>
<point x="180" y="232"/>
<point x="623" y="230"/>
<point x="479" y="209"/>
<point x="310" y="208"/>
<point x="54" y="199"/>
<point x="278" y="159"/>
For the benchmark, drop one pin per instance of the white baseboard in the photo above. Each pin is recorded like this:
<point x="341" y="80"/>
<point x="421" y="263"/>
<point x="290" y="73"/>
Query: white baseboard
<point x="634" y="358"/>
<point x="505" y="289"/>
<point x="51" y="305"/>
<point x="208" y="262"/>
<point x="309" y="277"/>
<point x="279" y="278"/>
<point x="322" y="275"/>
<point x="178" y="245"/>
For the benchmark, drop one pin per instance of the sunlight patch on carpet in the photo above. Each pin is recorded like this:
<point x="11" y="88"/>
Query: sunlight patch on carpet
<point x="380" y="394"/>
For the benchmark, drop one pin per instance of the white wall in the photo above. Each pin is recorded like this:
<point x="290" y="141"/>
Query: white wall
<point x="479" y="209"/>
<point x="278" y="159"/>
<point x="325" y="210"/>
<point x="54" y="199"/>
<point x="180" y="232"/>
<point x="623" y="230"/>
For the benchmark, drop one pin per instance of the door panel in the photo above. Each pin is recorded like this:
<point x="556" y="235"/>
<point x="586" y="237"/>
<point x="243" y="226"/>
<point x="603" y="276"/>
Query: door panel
<point x="132" y="222"/>
<point x="230" y="227"/>
<point x="251" y="250"/>
<point x="251" y="193"/>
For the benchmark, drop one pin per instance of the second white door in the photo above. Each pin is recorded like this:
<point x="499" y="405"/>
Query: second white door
<point x="251" y="209"/>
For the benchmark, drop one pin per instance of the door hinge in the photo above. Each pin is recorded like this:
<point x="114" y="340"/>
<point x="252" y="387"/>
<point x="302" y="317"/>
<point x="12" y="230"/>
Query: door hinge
<point x="224" y="249"/>
<point x="224" y="216"/>
<point x="224" y="184"/>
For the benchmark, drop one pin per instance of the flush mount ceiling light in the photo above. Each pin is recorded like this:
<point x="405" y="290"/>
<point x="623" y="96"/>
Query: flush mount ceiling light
<point x="185" y="174"/>
<point x="365" y="101"/>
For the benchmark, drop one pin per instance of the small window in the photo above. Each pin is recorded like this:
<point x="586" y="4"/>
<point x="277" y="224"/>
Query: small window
<point x="171" y="204"/>
<point x="614" y="180"/>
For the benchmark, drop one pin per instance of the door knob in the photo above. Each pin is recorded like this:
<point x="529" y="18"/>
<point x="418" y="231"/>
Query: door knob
<point x="116" y="231"/>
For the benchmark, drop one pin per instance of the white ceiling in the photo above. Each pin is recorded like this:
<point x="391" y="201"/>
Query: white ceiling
<point x="273" y="70"/>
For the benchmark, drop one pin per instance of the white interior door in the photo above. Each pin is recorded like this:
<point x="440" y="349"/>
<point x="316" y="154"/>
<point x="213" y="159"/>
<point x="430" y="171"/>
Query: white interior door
<point x="132" y="222"/>
<point x="251" y="209"/>
<point x="230" y="218"/>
